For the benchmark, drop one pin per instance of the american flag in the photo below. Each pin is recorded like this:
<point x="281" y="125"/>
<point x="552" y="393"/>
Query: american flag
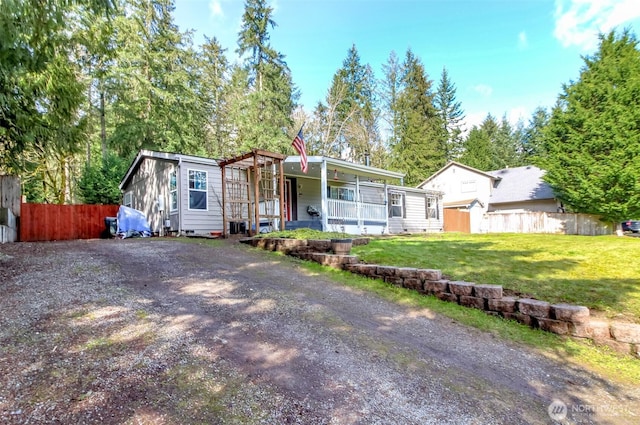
<point x="299" y="146"/>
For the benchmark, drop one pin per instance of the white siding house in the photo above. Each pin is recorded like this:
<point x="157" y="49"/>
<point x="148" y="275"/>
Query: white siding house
<point x="177" y="193"/>
<point x="183" y="194"/>
<point x="478" y="193"/>
<point x="358" y="199"/>
<point x="465" y="189"/>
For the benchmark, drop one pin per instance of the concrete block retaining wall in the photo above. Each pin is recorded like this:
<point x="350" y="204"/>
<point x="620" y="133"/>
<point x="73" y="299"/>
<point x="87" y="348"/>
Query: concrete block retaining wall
<point x="562" y="319"/>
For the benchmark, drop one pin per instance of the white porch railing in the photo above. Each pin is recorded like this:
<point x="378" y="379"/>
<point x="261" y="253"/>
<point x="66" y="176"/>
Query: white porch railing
<point x="357" y="211"/>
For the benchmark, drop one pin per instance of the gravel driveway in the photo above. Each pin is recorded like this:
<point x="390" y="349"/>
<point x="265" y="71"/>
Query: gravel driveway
<point x="167" y="332"/>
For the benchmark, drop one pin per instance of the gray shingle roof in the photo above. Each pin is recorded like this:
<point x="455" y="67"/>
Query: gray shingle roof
<point x="520" y="184"/>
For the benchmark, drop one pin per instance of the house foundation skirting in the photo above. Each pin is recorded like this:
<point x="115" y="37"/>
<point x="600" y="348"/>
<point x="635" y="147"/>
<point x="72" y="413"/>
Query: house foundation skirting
<point x="562" y="319"/>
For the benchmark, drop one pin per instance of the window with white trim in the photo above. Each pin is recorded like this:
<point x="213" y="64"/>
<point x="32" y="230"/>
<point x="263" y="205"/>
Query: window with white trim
<point x="197" y="190"/>
<point x="396" y="208"/>
<point x="342" y="193"/>
<point x="432" y="208"/>
<point x="173" y="191"/>
<point x="127" y="199"/>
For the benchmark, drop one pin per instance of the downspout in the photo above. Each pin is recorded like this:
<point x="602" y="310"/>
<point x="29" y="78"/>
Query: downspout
<point x="179" y="183"/>
<point x="323" y="195"/>
<point x="358" y="204"/>
<point x="386" y="205"/>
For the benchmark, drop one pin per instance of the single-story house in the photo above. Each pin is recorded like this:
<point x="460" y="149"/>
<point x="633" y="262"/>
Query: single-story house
<point x="469" y="194"/>
<point x="184" y="194"/>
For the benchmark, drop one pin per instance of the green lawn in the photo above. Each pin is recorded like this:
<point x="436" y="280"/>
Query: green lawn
<point x="600" y="272"/>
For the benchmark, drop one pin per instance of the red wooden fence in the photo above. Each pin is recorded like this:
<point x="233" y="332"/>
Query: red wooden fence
<point x="48" y="222"/>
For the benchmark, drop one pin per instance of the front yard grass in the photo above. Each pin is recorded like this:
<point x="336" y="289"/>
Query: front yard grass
<point x="611" y="365"/>
<point x="600" y="272"/>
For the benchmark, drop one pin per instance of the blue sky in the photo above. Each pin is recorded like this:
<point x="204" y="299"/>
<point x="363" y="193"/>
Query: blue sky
<point x="504" y="56"/>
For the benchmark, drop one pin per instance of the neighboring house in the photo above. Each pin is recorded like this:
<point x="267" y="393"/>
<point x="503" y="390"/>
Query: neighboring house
<point x="466" y="192"/>
<point x="183" y="194"/>
<point x="522" y="189"/>
<point x="470" y="193"/>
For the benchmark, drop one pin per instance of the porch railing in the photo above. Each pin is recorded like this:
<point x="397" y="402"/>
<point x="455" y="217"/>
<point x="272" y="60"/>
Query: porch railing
<point x="356" y="211"/>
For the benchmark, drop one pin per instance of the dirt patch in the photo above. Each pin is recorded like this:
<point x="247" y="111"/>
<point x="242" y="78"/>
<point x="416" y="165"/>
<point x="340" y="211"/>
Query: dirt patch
<point x="161" y="331"/>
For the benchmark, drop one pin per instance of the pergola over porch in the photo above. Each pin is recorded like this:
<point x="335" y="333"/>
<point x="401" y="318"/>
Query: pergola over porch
<point x="252" y="191"/>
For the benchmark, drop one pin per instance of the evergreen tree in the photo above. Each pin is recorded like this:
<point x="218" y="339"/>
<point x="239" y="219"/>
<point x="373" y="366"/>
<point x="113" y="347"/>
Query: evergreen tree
<point x="533" y="137"/>
<point x="478" y="150"/>
<point x="354" y="118"/>
<point x="272" y="96"/>
<point x="155" y="103"/>
<point x="99" y="183"/>
<point x="506" y="146"/>
<point x="213" y="90"/>
<point x="493" y="145"/>
<point x="420" y="149"/>
<point x="451" y="115"/>
<point x="42" y="125"/>
<point x="592" y="143"/>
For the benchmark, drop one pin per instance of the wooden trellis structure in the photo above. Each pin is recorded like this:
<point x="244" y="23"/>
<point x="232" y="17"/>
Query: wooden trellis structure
<point x="253" y="191"/>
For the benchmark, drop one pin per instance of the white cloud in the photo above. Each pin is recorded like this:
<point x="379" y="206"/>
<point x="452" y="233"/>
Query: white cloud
<point x="215" y="7"/>
<point x="484" y="90"/>
<point x="522" y="40"/>
<point x="578" y="22"/>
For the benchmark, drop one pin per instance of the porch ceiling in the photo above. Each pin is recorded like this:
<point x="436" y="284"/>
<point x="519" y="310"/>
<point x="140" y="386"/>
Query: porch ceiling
<point x="338" y="170"/>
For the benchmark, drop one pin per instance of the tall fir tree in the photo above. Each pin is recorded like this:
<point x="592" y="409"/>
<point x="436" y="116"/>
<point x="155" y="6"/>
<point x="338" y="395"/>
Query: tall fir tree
<point x="451" y="115"/>
<point x="155" y="104"/>
<point x="354" y="120"/>
<point x="478" y="150"/>
<point x="533" y="136"/>
<point x="272" y="96"/>
<point x="493" y="145"/>
<point x="592" y="142"/>
<point x="420" y="148"/>
<point x="42" y="124"/>
<point x="213" y="89"/>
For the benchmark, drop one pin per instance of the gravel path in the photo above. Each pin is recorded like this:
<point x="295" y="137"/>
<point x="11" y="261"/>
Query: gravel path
<point x="167" y="332"/>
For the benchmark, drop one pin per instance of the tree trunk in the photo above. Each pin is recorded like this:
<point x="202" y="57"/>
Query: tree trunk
<point x="103" y="129"/>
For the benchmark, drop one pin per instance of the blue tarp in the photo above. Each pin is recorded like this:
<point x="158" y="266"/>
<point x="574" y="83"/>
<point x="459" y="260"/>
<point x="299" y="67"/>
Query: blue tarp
<point x="132" y="223"/>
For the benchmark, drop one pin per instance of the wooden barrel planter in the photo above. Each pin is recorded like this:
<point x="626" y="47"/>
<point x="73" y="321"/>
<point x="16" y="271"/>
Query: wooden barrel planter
<point x="341" y="246"/>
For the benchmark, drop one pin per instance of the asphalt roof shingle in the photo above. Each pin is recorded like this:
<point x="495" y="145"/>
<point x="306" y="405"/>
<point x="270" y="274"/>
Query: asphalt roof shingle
<point x="520" y="184"/>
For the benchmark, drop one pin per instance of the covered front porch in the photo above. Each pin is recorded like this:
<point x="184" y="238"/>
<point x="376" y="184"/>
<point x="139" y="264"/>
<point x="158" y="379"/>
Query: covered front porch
<point x="336" y="195"/>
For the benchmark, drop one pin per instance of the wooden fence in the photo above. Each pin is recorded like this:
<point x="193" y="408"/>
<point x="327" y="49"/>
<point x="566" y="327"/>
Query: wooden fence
<point x="48" y="222"/>
<point x="9" y="208"/>
<point x="457" y="220"/>
<point x="545" y="222"/>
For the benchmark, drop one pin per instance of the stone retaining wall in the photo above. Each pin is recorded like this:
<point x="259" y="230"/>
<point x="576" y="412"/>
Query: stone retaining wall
<point x="562" y="319"/>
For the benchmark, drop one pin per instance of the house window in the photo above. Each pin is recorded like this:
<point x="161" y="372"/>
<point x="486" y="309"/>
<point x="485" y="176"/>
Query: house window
<point x="396" y="205"/>
<point x="197" y="190"/>
<point x="467" y="186"/>
<point x="342" y="193"/>
<point x="173" y="191"/>
<point x="432" y="208"/>
<point x="127" y="200"/>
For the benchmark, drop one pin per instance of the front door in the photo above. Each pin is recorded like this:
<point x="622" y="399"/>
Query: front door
<point x="288" y="200"/>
